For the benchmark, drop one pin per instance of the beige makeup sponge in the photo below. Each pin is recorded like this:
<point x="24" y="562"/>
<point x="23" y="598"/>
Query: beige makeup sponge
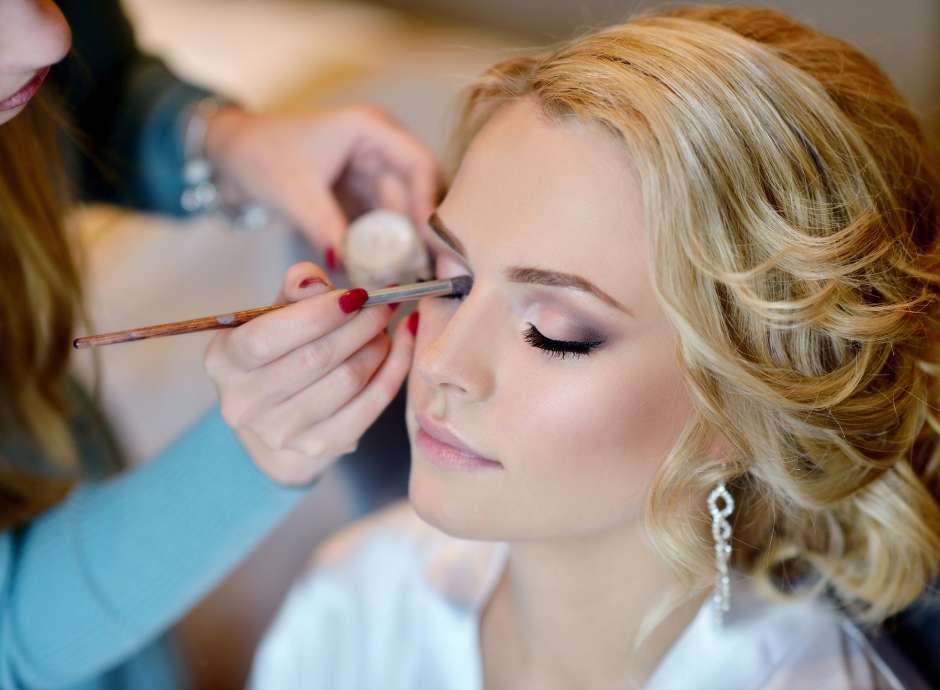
<point x="383" y="247"/>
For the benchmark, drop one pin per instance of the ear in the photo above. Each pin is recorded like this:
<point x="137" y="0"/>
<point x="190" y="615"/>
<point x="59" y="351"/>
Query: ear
<point x="719" y="447"/>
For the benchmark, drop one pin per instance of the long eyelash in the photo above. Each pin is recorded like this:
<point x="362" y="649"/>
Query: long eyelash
<point x="560" y="348"/>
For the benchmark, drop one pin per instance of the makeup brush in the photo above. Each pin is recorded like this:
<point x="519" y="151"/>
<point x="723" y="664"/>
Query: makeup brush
<point x="459" y="285"/>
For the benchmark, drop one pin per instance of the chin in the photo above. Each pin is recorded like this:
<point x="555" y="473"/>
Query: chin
<point x="7" y="115"/>
<point x="453" y="505"/>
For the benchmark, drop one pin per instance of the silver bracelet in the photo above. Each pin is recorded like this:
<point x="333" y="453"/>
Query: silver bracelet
<point x="200" y="192"/>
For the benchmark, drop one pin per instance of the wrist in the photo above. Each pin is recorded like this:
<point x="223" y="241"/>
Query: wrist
<point x="222" y="125"/>
<point x="212" y="127"/>
<point x="200" y="193"/>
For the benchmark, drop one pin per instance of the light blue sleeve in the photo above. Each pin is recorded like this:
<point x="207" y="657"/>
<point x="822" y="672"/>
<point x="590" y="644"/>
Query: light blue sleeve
<point x="93" y="580"/>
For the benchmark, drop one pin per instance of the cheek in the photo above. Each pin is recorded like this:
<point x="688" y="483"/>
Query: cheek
<point x="584" y="437"/>
<point x="7" y="115"/>
<point x="595" y="439"/>
<point x="33" y="35"/>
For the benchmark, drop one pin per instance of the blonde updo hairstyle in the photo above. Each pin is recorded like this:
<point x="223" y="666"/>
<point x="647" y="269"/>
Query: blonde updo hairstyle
<point x="790" y="204"/>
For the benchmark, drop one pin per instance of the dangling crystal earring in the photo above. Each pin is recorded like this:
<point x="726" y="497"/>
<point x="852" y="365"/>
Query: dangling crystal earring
<point x="721" y="533"/>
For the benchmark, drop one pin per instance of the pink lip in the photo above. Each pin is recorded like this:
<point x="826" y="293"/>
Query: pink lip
<point x="446" y="450"/>
<point x="24" y="94"/>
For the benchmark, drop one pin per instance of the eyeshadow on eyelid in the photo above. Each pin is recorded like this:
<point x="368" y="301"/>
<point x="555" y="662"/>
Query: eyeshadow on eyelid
<point x="580" y="334"/>
<point x="561" y="322"/>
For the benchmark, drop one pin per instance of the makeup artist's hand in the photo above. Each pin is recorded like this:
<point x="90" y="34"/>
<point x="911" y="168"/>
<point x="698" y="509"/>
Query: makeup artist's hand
<point x="300" y="385"/>
<point x="318" y="167"/>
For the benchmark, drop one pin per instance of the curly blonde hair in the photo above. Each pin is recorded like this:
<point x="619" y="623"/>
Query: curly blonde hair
<point x="790" y="202"/>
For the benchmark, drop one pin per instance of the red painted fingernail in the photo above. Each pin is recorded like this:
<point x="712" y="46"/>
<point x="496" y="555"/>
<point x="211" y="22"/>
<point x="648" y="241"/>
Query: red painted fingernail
<point x="331" y="262"/>
<point x="351" y="300"/>
<point x="393" y="305"/>
<point x="413" y="323"/>
<point x="307" y="282"/>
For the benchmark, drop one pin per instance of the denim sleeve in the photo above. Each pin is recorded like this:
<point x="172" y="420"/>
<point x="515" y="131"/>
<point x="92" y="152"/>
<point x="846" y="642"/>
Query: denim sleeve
<point x="97" y="578"/>
<point x="127" y="109"/>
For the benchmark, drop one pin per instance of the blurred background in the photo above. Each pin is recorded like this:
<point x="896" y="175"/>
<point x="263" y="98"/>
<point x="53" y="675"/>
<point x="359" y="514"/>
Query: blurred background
<point x="412" y="57"/>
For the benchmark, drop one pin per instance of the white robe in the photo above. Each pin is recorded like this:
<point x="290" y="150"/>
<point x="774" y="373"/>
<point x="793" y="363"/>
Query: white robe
<point x="394" y="604"/>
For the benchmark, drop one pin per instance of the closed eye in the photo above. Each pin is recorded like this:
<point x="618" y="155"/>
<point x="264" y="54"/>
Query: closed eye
<point x="560" y="348"/>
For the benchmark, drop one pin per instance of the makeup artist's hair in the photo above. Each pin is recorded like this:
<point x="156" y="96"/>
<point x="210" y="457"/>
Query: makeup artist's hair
<point x="791" y="205"/>
<point x="40" y="296"/>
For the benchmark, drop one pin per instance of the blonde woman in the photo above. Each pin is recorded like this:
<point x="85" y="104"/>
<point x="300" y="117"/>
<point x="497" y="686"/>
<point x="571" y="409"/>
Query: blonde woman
<point x="682" y="431"/>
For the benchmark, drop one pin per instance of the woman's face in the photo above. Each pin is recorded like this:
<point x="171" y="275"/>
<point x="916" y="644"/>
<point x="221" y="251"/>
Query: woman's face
<point x="33" y="36"/>
<point x="558" y="371"/>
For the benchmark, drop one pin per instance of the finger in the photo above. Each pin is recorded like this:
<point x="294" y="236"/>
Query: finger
<point x="317" y="402"/>
<point x="418" y="172"/>
<point x="408" y="156"/>
<point x="271" y="336"/>
<point x="318" y="215"/>
<point x="342" y="431"/>
<point x="303" y="279"/>
<point x="392" y="193"/>
<point x="425" y="185"/>
<point x="354" y="191"/>
<point x="286" y="466"/>
<point x="268" y="386"/>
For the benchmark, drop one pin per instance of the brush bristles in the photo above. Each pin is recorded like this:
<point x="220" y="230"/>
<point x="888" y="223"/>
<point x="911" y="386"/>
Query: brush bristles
<point x="462" y="285"/>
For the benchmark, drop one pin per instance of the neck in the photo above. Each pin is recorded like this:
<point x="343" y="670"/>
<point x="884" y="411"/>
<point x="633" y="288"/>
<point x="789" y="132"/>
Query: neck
<point x="575" y="613"/>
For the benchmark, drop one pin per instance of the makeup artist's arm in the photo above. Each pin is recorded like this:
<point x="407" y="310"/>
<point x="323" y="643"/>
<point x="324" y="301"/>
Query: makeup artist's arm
<point x="90" y="582"/>
<point x="132" y="112"/>
<point x="93" y="580"/>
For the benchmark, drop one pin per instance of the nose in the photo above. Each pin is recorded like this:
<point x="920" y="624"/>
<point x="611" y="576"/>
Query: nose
<point x="457" y="360"/>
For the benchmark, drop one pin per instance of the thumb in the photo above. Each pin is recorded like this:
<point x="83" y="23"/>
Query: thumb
<point x="303" y="279"/>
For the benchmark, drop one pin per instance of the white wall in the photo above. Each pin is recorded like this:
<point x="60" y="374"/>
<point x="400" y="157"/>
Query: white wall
<point x="903" y="36"/>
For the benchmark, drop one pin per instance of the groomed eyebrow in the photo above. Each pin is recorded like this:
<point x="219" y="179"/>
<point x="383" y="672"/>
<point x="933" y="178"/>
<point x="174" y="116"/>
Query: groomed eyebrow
<point x="447" y="237"/>
<point x="529" y="274"/>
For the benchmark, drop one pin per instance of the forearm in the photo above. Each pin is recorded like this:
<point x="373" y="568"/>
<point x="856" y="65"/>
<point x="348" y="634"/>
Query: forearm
<point x="95" y="579"/>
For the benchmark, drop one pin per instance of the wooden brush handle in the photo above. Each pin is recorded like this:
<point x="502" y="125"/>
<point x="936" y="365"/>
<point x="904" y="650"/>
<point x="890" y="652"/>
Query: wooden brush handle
<point x="205" y="323"/>
<point x="392" y="294"/>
